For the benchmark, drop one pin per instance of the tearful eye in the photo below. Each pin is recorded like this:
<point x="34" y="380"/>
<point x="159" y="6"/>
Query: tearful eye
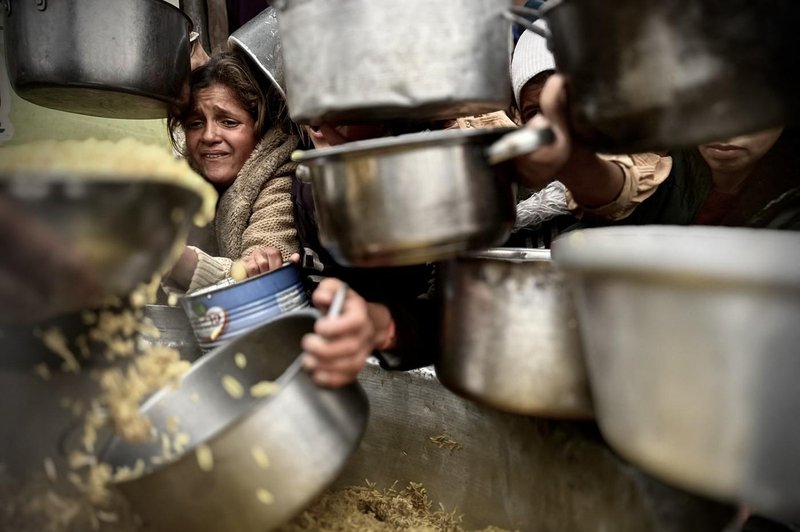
<point x="194" y="124"/>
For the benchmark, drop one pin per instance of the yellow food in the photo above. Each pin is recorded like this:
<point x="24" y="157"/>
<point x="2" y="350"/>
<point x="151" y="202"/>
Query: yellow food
<point x="260" y="456"/>
<point x="101" y="159"/>
<point x="264" y="497"/>
<point x="233" y="387"/>
<point x="238" y="271"/>
<point x="264" y="388"/>
<point x="205" y="458"/>
<point x="241" y="360"/>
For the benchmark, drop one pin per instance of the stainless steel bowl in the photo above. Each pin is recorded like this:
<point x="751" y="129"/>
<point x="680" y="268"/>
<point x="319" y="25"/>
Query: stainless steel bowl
<point x="693" y="347"/>
<point x="116" y="233"/>
<point x="510" y="334"/>
<point x="306" y="432"/>
<point x="411" y="199"/>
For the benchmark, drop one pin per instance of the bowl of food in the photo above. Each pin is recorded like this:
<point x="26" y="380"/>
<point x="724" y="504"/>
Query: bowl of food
<point x="245" y="442"/>
<point x="691" y="339"/>
<point x="86" y="220"/>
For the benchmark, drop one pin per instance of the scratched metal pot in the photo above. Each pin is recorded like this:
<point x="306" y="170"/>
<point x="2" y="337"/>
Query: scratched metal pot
<point x="303" y="435"/>
<point x="373" y="60"/>
<point x="692" y="337"/>
<point x="411" y="199"/>
<point x="510" y="335"/>
<point x="660" y="74"/>
<point x="260" y="40"/>
<point x="110" y="58"/>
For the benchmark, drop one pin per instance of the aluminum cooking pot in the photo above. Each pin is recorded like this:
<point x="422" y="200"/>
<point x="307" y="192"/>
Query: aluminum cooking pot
<point x="264" y="458"/>
<point x="693" y="351"/>
<point x="260" y="40"/>
<point x="373" y="60"/>
<point x="510" y="335"/>
<point x="110" y="58"/>
<point x="661" y="74"/>
<point x="414" y="198"/>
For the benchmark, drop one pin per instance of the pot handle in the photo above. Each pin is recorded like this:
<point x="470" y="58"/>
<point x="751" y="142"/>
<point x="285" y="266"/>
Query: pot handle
<point x="520" y="142"/>
<point x="516" y="14"/>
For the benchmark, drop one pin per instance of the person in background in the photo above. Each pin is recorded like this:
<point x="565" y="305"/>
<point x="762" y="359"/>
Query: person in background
<point x="746" y="181"/>
<point x="541" y="214"/>
<point x="238" y="137"/>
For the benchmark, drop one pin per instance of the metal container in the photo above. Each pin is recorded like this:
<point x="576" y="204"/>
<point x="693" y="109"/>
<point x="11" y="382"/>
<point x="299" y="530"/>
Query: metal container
<point x="119" y="231"/>
<point x="260" y="40"/>
<point x="512" y="472"/>
<point x="229" y="309"/>
<point x="306" y="433"/>
<point x="675" y="74"/>
<point x="374" y="60"/>
<point x="692" y="344"/>
<point x="411" y="199"/>
<point x="510" y="335"/>
<point x="111" y="58"/>
<point x="46" y="427"/>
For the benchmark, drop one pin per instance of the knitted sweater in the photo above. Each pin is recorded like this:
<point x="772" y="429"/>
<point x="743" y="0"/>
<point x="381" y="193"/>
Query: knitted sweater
<point x="255" y="211"/>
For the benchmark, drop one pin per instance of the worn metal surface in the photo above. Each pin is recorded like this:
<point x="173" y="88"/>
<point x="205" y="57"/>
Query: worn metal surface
<point x="260" y="40"/>
<point x="373" y="60"/>
<point x="511" y="471"/>
<point x="306" y="432"/>
<point x="111" y="58"/>
<point x="411" y="199"/>
<point x="46" y="427"/>
<point x="510" y="334"/>
<point x="673" y="73"/>
<point x="692" y="338"/>
<point x="120" y="231"/>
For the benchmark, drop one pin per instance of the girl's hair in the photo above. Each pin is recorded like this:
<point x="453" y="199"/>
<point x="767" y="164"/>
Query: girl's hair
<point x="254" y="93"/>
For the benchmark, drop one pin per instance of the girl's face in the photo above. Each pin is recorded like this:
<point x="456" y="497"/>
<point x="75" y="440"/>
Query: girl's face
<point x="739" y="153"/>
<point x="220" y="135"/>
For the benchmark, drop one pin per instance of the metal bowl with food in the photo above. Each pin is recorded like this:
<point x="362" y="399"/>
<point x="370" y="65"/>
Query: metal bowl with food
<point x="250" y="439"/>
<point x="229" y="309"/>
<point x="510" y="334"/>
<point x="411" y="199"/>
<point x="691" y="337"/>
<point x="85" y="220"/>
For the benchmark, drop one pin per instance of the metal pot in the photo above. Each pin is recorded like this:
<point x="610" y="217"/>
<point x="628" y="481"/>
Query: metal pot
<point x="510" y="335"/>
<point x="229" y="309"/>
<point x="660" y="74"/>
<point x="45" y="428"/>
<point x="111" y="58"/>
<point x="260" y="40"/>
<point x="691" y="338"/>
<point x="411" y="199"/>
<point x="373" y="60"/>
<point x="306" y="433"/>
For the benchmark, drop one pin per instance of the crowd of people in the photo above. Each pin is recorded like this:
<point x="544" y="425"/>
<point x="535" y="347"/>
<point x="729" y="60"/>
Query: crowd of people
<point x="235" y="131"/>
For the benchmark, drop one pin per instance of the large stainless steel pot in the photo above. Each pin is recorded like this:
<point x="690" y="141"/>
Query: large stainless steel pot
<point x="411" y="199"/>
<point x="112" y="58"/>
<point x="693" y="351"/>
<point x="659" y="74"/>
<point x="303" y="436"/>
<point x="370" y="60"/>
<point x="510" y="335"/>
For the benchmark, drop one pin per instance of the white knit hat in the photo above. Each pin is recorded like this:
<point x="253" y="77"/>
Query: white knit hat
<point x="531" y="57"/>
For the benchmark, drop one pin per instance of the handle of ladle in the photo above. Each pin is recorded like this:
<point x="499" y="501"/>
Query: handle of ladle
<point x="338" y="301"/>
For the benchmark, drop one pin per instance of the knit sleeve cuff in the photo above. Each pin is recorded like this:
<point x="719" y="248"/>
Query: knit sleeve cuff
<point x="209" y="270"/>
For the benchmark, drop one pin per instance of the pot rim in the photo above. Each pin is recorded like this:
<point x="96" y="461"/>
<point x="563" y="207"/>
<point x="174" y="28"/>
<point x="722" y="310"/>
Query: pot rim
<point x="440" y="138"/>
<point x="683" y="254"/>
<point x="516" y="255"/>
<point x="226" y="285"/>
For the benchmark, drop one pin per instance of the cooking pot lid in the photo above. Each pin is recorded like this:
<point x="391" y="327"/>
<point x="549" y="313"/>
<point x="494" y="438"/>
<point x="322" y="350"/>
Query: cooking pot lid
<point x="412" y="140"/>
